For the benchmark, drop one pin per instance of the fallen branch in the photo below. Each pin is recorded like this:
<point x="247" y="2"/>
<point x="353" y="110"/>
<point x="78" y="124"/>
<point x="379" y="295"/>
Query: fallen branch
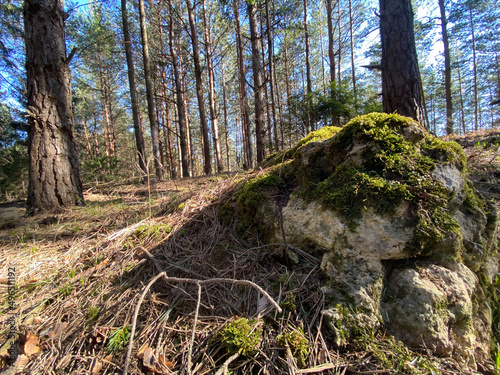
<point x="199" y="283"/>
<point x="223" y="369"/>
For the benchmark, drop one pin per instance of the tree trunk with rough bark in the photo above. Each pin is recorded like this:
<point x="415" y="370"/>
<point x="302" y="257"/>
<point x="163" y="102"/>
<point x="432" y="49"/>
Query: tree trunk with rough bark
<point x="257" y="82"/>
<point x="54" y="179"/>
<point x="155" y="139"/>
<point x="184" y="152"/>
<point x="401" y="87"/>
<point x="331" y="53"/>
<point x="244" y="107"/>
<point x="270" y="53"/>
<point x="447" y="70"/>
<point x="139" y="139"/>
<point x="211" y="91"/>
<point x="207" y="164"/>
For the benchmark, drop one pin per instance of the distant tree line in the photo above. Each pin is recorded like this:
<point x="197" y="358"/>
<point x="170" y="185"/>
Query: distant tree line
<point x="182" y="88"/>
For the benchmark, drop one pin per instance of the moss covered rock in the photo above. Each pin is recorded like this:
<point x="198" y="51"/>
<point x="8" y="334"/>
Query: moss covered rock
<point x="387" y="204"/>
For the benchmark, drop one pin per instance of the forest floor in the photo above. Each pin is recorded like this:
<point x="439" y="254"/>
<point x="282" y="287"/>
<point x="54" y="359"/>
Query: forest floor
<point x="84" y="292"/>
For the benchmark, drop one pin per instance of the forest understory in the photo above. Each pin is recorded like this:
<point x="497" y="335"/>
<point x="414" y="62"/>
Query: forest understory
<point x="151" y="268"/>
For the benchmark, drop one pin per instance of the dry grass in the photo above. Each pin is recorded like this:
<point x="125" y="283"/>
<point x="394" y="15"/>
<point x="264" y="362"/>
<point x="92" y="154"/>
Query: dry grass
<point x="80" y="275"/>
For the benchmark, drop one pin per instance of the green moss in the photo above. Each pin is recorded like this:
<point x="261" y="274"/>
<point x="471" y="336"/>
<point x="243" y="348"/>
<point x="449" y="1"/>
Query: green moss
<point x="315" y="136"/>
<point x="473" y="201"/>
<point x="349" y="190"/>
<point x="242" y="336"/>
<point x="152" y="230"/>
<point x="92" y="315"/>
<point x="252" y="192"/>
<point x="250" y="197"/>
<point x="296" y="339"/>
<point x="445" y="152"/>
<point x="319" y="135"/>
<point x="394" y="165"/>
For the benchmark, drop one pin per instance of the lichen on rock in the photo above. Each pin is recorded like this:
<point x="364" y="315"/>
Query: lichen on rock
<point x="404" y="236"/>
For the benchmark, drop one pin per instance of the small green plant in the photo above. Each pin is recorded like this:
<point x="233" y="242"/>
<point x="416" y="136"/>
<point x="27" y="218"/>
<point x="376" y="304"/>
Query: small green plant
<point x="92" y="314"/>
<point x="299" y="345"/>
<point x="119" y="338"/>
<point x="152" y="230"/>
<point x="72" y="273"/>
<point x="289" y="302"/>
<point x="129" y="267"/>
<point x="242" y="336"/>
<point x="66" y="289"/>
<point x="496" y="358"/>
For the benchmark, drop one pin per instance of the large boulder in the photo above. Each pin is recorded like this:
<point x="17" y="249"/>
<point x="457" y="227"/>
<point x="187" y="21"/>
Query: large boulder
<point x="9" y="217"/>
<point x="406" y="241"/>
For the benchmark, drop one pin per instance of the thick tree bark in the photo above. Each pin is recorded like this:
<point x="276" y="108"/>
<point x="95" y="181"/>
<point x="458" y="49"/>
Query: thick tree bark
<point x="211" y="91"/>
<point x="401" y="87"/>
<point x="207" y="164"/>
<point x="155" y="140"/>
<point x="139" y="140"/>
<point x="257" y="82"/>
<point x="447" y="70"/>
<point x="184" y="152"/>
<point x="54" y="179"/>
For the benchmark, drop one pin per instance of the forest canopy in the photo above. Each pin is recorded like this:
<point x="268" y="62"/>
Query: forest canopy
<point x="185" y="88"/>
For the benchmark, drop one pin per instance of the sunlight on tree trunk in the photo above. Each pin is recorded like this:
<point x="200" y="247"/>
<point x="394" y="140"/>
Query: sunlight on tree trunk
<point x="54" y="179"/>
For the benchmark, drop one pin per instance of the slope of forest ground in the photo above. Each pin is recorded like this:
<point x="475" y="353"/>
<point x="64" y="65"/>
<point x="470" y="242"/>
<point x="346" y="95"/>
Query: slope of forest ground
<point x="80" y="276"/>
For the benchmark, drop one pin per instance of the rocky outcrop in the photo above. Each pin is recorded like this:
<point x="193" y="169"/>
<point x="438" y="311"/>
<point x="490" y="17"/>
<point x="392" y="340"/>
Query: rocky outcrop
<point x="9" y="217"/>
<point x="407" y="243"/>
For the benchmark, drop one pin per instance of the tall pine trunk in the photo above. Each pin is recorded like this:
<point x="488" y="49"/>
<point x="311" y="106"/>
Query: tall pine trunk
<point x="155" y="140"/>
<point x="447" y="70"/>
<point x="181" y="110"/>
<point x="54" y="179"/>
<point x="401" y="88"/>
<point x="139" y="140"/>
<point x="244" y="107"/>
<point x="474" y="69"/>
<point x="257" y="81"/>
<point x="211" y="91"/>
<point x="226" y="117"/>
<point x="270" y="54"/>
<point x="207" y="164"/>
<point x="331" y="53"/>
<point x="353" y="68"/>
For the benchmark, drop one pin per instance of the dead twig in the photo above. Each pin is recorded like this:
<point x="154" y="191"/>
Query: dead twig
<point x="199" y="283"/>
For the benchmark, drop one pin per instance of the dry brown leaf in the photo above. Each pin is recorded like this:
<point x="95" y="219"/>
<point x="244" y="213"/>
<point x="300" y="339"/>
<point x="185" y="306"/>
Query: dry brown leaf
<point x="109" y="357"/>
<point x="97" y="367"/>
<point x="140" y="353"/>
<point x="165" y="362"/>
<point x="148" y="359"/>
<point x="21" y="361"/>
<point x="31" y="345"/>
<point x="4" y="281"/>
<point x="58" y="329"/>
<point x="102" y="264"/>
